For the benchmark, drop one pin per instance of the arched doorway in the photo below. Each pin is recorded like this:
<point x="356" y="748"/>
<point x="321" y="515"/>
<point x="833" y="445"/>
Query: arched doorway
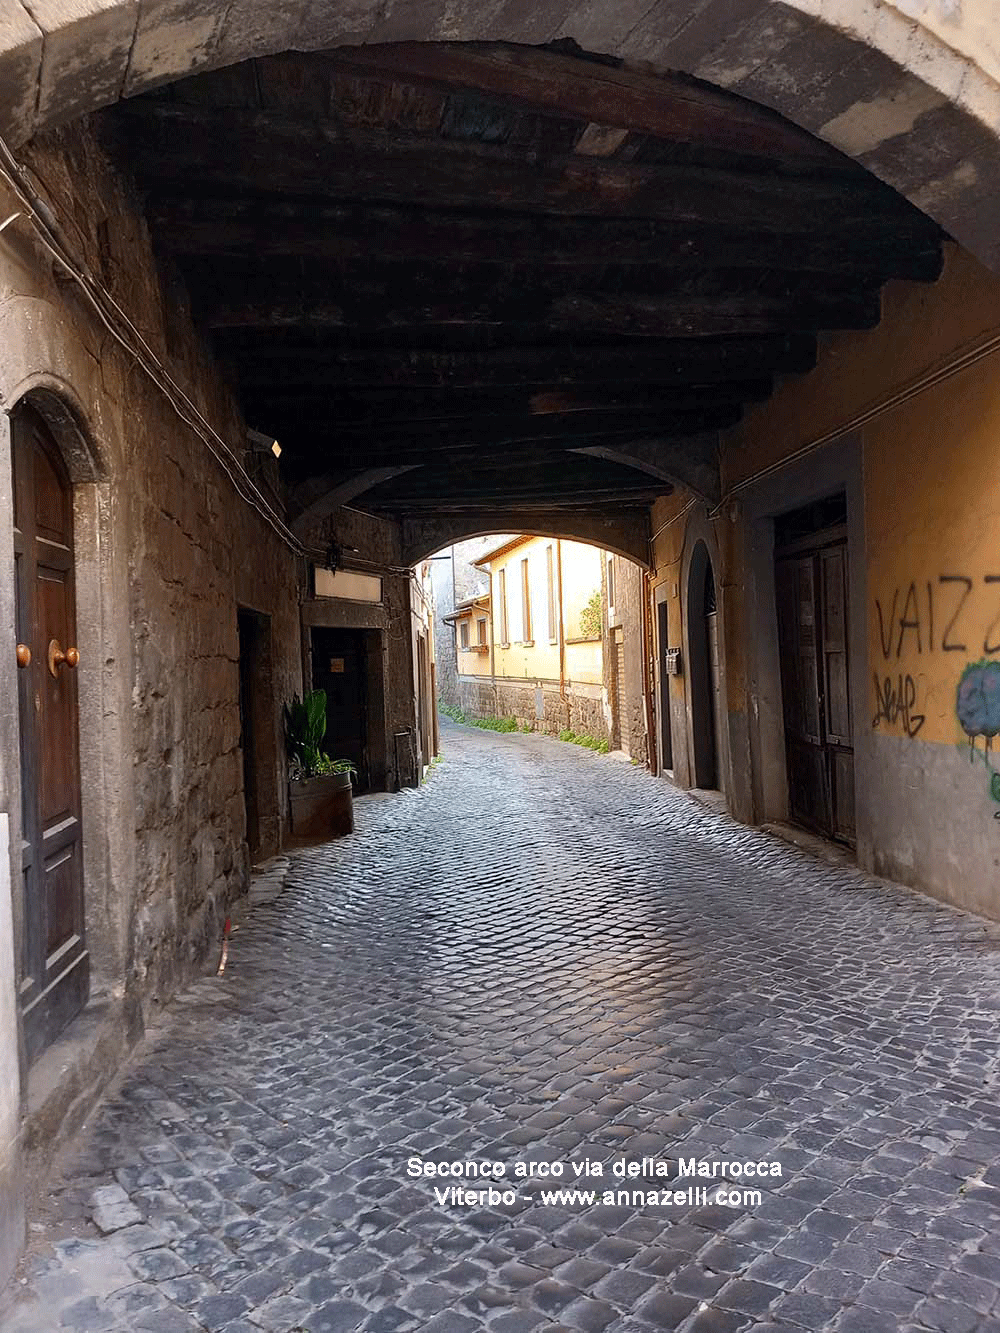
<point x="55" y="963"/>
<point x="704" y="674"/>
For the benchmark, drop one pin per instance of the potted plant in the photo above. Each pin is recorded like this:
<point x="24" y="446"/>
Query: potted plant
<point x="319" y="788"/>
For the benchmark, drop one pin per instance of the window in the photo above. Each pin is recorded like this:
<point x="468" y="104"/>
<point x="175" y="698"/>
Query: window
<point x="525" y="604"/>
<point x="611" y="580"/>
<point x="550" y="574"/>
<point x="504" y="626"/>
<point x="481" y="630"/>
<point x="463" y="633"/>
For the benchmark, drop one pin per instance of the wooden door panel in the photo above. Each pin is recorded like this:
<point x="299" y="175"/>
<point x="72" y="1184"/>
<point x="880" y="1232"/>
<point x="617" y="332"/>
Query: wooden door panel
<point x="58" y="787"/>
<point x="60" y="900"/>
<point x="51" y="499"/>
<point x="55" y="966"/>
<point x="835" y="646"/>
<point x="811" y="587"/>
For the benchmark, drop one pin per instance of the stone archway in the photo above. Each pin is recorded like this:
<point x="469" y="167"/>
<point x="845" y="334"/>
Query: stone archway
<point x="915" y="100"/>
<point x="625" y="536"/>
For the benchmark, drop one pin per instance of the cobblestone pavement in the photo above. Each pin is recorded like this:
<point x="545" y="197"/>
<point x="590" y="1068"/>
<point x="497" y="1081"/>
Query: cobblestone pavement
<point x="544" y="955"/>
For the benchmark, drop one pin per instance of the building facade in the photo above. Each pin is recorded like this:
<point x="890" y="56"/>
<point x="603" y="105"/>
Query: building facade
<point x="827" y="645"/>
<point x="541" y="642"/>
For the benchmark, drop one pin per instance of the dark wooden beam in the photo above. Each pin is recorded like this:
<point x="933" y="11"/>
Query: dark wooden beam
<point x="372" y="447"/>
<point x="668" y="106"/>
<point x="600" y="500"/>
<point x="269" y="355"/>
<point x="385" y="408"/>
<point x="230" y="148"/>
<point x="223" y="226"/>
<point x="687" y="314"/>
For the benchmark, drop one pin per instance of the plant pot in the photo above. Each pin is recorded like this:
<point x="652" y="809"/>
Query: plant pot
<point x="322" y="807"/>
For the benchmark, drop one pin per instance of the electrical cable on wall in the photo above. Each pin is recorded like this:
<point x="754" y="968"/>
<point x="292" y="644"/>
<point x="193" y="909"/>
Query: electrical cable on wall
<point x="46" y="228"/>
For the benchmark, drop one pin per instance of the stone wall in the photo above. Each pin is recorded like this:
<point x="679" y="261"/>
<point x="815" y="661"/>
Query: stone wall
<point x="445" y="651"/>
<point x="375" y="548"/>
<point x="628" y="616"/>
<point x="537" y="704"/>
<point x="166" y="553"/>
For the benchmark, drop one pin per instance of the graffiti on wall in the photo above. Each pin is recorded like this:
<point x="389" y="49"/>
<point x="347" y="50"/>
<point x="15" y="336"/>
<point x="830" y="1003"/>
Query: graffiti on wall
<point x="977" y="706"/>
<point x="933" y="616"/>
<point x="895" y="703"/>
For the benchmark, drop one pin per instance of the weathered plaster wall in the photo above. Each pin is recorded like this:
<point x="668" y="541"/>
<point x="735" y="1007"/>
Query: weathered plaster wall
<point x="921" y="500"/>
<point x="166" y="553"/>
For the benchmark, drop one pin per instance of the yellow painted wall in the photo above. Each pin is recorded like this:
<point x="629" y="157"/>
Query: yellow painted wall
<point x="581" y="576"/>
<point x="924" y="325"/>
<point x="932" y="478"/>
<point x="932" y="488"/>
<point x="472" y="663"/>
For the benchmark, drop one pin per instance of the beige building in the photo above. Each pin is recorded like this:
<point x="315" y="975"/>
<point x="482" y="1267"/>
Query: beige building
<point x="532" y="648"/>
<point x="836" y="615"/>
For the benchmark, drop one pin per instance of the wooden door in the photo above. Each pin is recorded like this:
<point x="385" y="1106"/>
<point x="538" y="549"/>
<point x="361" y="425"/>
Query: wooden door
<point x="837" y="723"/>
<point x="339" y="666"/>
<point x="666" y="730"/>
<point x="813" y="638"/>
<point x="54" y="963"/>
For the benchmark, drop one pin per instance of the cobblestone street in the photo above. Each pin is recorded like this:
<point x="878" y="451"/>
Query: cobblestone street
<point x="548" y="955"/>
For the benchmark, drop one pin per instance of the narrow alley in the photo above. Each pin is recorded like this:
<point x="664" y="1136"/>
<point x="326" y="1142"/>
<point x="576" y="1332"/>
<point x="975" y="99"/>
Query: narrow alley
<point x="544" y="955"/>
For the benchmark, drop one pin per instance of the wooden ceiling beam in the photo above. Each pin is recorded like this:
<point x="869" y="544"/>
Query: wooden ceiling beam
<point x="383" y="408"/>
<point x="342" y="233"/>
<point x="269" y="355"/>
<point x="605" y="499"/>
<point x="669" y="106"/>
<point x="227" y="148"/>
<point x="680" y="314"/>
<point x="371" y="446"/>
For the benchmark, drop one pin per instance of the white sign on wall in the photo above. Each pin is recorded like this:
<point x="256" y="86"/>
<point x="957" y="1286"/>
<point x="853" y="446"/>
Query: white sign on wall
<point x="348" y="584"/>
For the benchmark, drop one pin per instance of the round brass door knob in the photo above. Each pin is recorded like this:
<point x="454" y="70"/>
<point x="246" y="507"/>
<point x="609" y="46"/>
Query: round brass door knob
<point x="23" y="655"/>
<point x="58" y="658"/>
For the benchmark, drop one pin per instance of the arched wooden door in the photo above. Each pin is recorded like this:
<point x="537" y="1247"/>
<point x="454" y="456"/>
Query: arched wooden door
<point x="54" y="965"/>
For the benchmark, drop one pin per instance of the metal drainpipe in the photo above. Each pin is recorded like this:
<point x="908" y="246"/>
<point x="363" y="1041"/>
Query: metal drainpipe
<point x="564" y="699"/>
<point x="493" y="650"/>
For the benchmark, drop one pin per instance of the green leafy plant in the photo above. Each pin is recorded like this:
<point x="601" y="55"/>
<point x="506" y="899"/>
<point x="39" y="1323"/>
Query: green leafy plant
<point x="495" y="723"/>
<point x="526" y="727"/>
<point x="327" y="765"/>
<point x="588" y="742"/>
<point x="452" y="711"/>
<point x="305" y="727"/>
<point x="592" y="617"/>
